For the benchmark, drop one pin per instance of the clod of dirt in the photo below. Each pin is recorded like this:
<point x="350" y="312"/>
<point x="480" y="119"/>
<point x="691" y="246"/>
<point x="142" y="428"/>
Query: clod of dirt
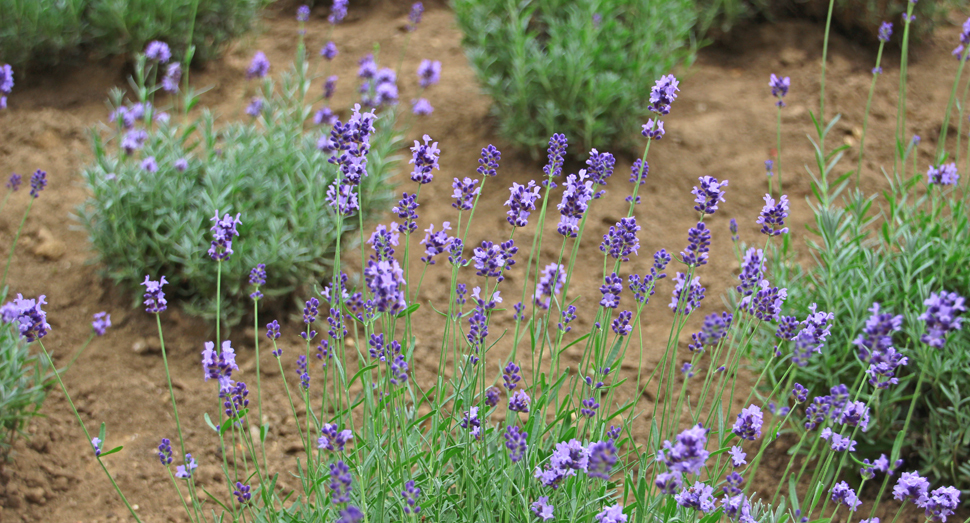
<point x="792" y="56"/>
<point x="36" y="495"/>
<point x="47" y="246"/>
<point x="149" y="345"/>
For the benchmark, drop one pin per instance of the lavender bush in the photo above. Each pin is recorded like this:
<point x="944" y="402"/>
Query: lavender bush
<point x="524" y="435"/>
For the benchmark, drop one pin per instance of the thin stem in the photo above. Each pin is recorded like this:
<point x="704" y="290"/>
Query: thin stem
<point x="168" y="377"/>
<point x="865" y="118"/>
<point x="13" y="246"/>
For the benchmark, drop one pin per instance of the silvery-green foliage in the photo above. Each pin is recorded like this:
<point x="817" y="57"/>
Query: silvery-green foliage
<point x="268" y="169"/>
<point x="581" y="68"/>
<point x="22" y="382"/>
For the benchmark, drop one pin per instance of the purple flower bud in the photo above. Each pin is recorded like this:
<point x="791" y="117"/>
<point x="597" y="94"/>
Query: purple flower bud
<point x="259" y="67"/>
<point x="38" y="181"/>
<point x="338" y="12"/>
<point x="779" y="88"/>
<point x="421" y="107"/>
<point x="329" y="51"/>
<point x="102" y="321"/>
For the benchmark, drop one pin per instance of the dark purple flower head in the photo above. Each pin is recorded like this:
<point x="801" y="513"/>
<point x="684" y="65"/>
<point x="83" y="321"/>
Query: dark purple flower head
<point x="855" y="413"/>
<point x="421" y="107"/>
<point x="414" y="17"/>
<point x="663" y="94"/>
<point x="698" y="246"/>
<point x="165" y="452"/>
<point x="708" y="195"/>
<point x="425" y="159"/>
<point x="748" y="424"/>
<point x="669" y="483"/>
<point x="32" y="320"/>
<point x="621" y="241"/>
<point x="733" y="227"/>
<point x="772" y="217"/>
<point x="488" y="163"/>
<point x="600" y="166"/>
<point x="942" y="316"/>
<point x="173" y="75"/>
<point x="273" y="330"/>
<point x="800" y="393"/>
<point x="259" y="67"/>
<point x="688" y="454"/>
<point x="519" y="401"/>
<point x="491" y="396"/>
<point x="510" y="375"/>
<point x="575" y="202"/>
<point x="429" y="73"/>
<point x="556" y="154"/>
<point x="38" y="181"/>
<point x="303" y="13"/>
<point x="14" y="182"/>
<point x="338" y="12"/>
<point x="569" y="457"/>
<point x="653" y="129"/>
<point x="242" y="492"/>
<point x="698" y="496"/>
<point x="154" y="297"/>
<point x="636" y="175"/>
<point x="911" y="487"/>
<point x="611" y="288"/>
<point x="752" y="270"/>
<point x="340" y="481"/>
<point x="945" y="174"/>
<point x="589" y="407"/>
<point x="522" y="200"/>
<point x="941" y="503"/>
<point x="102" y="321"/>
<point x="158" y="51"/>
<point x="222" y="233"/>
<point x="551" y="280"/>
<point x="411" y="493"/>
<point x="385" y="279"/>
<point x="885" y="31"/>
<point x="568" y="316"/>
<point x="779" y="88"/>
<point x="329" y="51"/>
<point x="406" y="209"/>
<point x="692" y="295"/>
<point x="621" y="325"/>
<point x="436" y="243"/>
<point x="465" y="193"/>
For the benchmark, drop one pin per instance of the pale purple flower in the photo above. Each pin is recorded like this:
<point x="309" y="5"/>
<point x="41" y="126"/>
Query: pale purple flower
<point x="149" y="164"/>
<point x="223" y="232"/>
<point x="414" y="17"/>
<point x="133" y="140"/>
<point x="340" y="482"/>
<point x="709" y="194"/>
<point x="173" y="75"/>
<point x="303" y="13"/>
<point x="911" y="487"/>
<point x="551" y="280"/>
<point x="406" y="209"/>
<point x="941" y="503"/>
<point x="621" y="241"/>
<point x="31" y="319"/>
<point x="185" y="471"/>
<point x="885" y="31"/>
<point x="621" y="325"/>
<point x="699" y="496"/>
<point x="425" y="159"/>
<point x="698" y="246"/>
<point x="692" y="297"/>
<point x="663" y="94"/>
<point x="435" y="242"/>
<point x="521" y="202"/>
<point x="465" y="193"/>
<point x="737" y="456"/>
<point x="748" y="424"/>
<point x="338" y="12"/>
<point x="556" y="154"/>
<point x="255" y="107"/>
<point x="668" y="482"/>
<point x="575" y="202"/>
<point x="429" y="73"/>
<point x="843" y="494"/>
<point x="515" y="442"/>
<point x="542" y="509"/>
<point x="600" y="166"/>
<point x="102" y="320"/>
<point x="945" y="174"/>
<point x="752" y="270"/>
<point x="688" y="454"/>
<point x="158" y="51"/>
<point x="421" y="107"/>
<point x="259" y="67"/>
<point x="385" y="279"/>
<point x="519" y="401"/>
<point x="613" y="514"/>
<point x="602" y="459"/>
<point x="411" y="493"/>
<point x="653" y="129"/>
<point x="942" y="316"/>
<point x="329" y="51"/>
<point x="779" y="88"/>
<point x="14" y="182"/>
<point x="154" y="297"/>
<point x="218" y="365"/>
<point x="181" y="165"/>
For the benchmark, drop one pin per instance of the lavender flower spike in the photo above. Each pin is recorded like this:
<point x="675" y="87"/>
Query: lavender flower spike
<point x="772" y="217"/>
<point x="425" y="159"/>
<point x="154" y="297"/>
<point x="942" y="316"/>
<point x="779" y="88"/>
<point x="259" y="67"/>
<point x="709" y="194"/>
<point x="663" y="94"/>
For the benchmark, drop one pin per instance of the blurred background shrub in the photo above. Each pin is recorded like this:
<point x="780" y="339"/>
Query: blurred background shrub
<point x="895" y="256"/>
<point x="41" y="32"/>
<point x="583" y="68"/>
<point x="267" y="168"/>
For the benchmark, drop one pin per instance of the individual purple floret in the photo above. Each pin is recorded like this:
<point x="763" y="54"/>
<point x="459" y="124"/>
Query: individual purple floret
<point x="575" y="202"/>
<point x="885" y="31"/>
<point x="329" y="51"/>
<point x="464" y="193"/>
<point x="385" y="280"/>
<point x="668" y="482"/>
<point x="709" y="194"/>
<point x="844" y="495"/>
<point x="688" y="454"/>
<point x="737" y="456"/>
<point x="752" y="270"/>
<point x="698" y="246"/>
<point x="699" y="496"/>
<point x="589" y="407"/>
<point x="102" y="321"/>
<point x="521" y="202"/>
<point x="38" y="181"/>
<point x="154" y="297"/>
<point x="435" y="243"/>
<point x="692" y="297"/>
<point x="839" y="443"/>
<point x="222" y="234"/>
<point x="165" y="452"/>
<point x="515" y="441"/>
<point x="96" y="445"/>
<point x="653" y="129"/>
<point x="611" y="288"/>
<point x="911" y="487"/>
<point x="519" y="402"/>
<point x="333" y="439"/>
<point x="340" y="481"/>
<point x="185" y="471"/>
<point x="14" y="182"/>
<point x="259" y="67"/>
<point x="338" y="12"/>
<point x="749" y="422"/>
<point x="421" y="107"/>
<point x="602" y="459"/>
<point x="542" y="509"/>
<point x="425" y="159"/>
<point x="600" y="166"/>
<point x="158" y="51"/>
<point x="779" y="88"/>
<point x="772" y="217"/>
<point x="663" y="94"/>
<point x="942" y="316"/>
<point x="429" y="73"/>
<point x="219" y="366"/>
<point x="621" y="325"/>
<point x="941" y="503"/>
<point x="945" y="174"/>
<point x="552" y="278"/>
<point x="621" y="241"/>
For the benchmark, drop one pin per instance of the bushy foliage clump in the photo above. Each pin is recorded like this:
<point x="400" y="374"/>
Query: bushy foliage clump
<point x="38" y="32"/>
<point x="574" y="67"/>
<point x="23" y="382"/>
<point x="153" y="201"/>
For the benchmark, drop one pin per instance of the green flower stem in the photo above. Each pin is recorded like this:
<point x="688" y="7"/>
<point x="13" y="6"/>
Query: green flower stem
<point x="13" y="246"/>
<point x="78" y="353"/>
<point x="941" y="143"/>
<point x="3" y="205"/>
<point x="87" y="434"/>
<point x="168" y="378"/>
<point x="865" y="118"/>
<point x="259" y="388"/>
<point x="778" y="148"/>
<point x="903" y="76"/>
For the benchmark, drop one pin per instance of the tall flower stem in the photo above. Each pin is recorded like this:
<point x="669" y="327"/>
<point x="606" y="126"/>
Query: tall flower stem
<point x="865" y="118"/>
<point x="13" y="246"/>
<point x="168" y="377"/>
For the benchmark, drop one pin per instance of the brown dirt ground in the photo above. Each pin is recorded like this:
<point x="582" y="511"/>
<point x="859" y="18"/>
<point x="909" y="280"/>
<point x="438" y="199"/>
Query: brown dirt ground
<point x="722" y="125"/>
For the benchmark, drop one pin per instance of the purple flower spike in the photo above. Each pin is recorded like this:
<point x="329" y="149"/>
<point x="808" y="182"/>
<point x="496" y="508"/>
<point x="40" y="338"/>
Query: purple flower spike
<point x="622" y="239"/>
<point x="519" y="402"/>
<point x="425" y="159"/>
<point x="14" y="182"/>
<point x="942" y="316"/>
<point x="219" y="365"/>
<point x="698" y="496"/>
<point x="602" y="459"/>
<point x="259" y="67"/>
<point x="600" y="166"/>
<point x="465" y="193"/>
<point x="32" y="320"/>
<point x="406" y="209"/>
<point x="621" y="325"/>
<point x="303" y="13"/>
<point x="748" y="424"/>
<point x="941" y="503"/>
<point x="636" y="175"/>
<point x="411" y="493"/>
<point x="222" y="234"/>
<point x="779" y="88"/>
<point x="154" y="297"/>
<point x="885" y="31"/>
<point x="6" y="79"/>
<point x="338" y="12"/>
<point x="698" y="246"/>
<point x="158" y="51"/>
<point x="329" y="51"/>
<point x="943" y="175"/>
<point x="964" y="40"/>
<point x="165" y="452"/>
<point x="663" y="94"/>
<point x="772" y="217"/>
<point x="843" y="494"/>
<point x="552" y="278"/>
<point x="542" y="509"/>
<point x="429" y="73"/>
<point x="653" y="129"/>
<point x="436" y="242"/>
<point x="173" y="75"/>
<point x="611" y="288"/>
<point x="521" y="202"/>
<point x="421" y="107"/>
<point x="488" y="163"/>
<point x="556" y="154"/>
<point x="709" y="194"/>
<point x="102" y="321"/>
<point x="385" y="279"/>
<point x="414" y="17"/>
<point x="752" y="270"/>
<point x="255" y="107"/>
<point x="515" y="441"/>
<point x="38" y="181"/>
<point x="694" y="294"/>
<point x="911" y="487"/>
<point x="340" y="481"/>
<point x="575" y="202"/>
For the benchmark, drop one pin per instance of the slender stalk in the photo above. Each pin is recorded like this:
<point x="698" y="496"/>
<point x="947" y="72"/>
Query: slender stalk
<point x="865" y="118"/>
<point x="13" y="246"/>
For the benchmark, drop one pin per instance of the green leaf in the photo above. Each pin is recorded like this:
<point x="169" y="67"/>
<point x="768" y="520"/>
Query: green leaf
<point x="112" y="451"/>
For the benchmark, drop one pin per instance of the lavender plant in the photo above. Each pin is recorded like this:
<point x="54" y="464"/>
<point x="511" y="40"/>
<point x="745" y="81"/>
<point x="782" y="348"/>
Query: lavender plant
<point x="572" y="67"/>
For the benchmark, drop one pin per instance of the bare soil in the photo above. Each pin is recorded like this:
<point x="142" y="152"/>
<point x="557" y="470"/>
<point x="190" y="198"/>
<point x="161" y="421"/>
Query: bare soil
<point x="723" y="124"/>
